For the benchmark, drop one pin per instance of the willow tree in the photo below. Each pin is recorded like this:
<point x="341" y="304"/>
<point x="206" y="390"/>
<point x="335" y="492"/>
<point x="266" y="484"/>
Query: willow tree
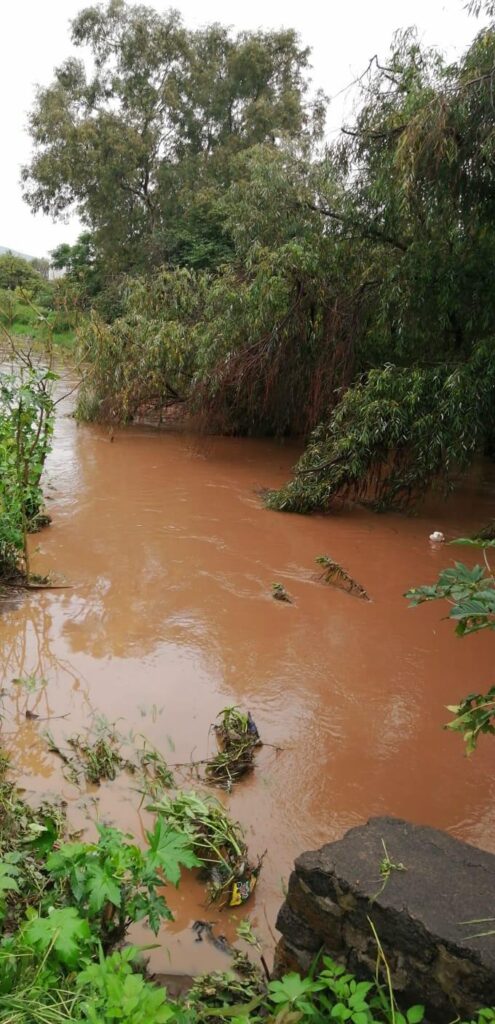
<point x="420" y="194"/>
<point x="259" y="347"/>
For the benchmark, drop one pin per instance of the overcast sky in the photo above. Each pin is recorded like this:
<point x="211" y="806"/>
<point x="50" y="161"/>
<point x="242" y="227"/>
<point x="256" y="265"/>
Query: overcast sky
<point x="343" y="35"/>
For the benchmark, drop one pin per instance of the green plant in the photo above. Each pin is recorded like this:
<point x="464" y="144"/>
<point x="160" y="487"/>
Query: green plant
<point x="217" y="842"/>
<point x="26" y="426"/>
<point x="96" y="756"/>
<point x="63" y="934"/>
<point x="387" y="866"/>
<point x="155" y="775"/>
<point x="9" y="875"/>
<point x="471" y="595"/>
<point x="110" y="989"/>
<point x="293" y="993"/>
<point x="335" y="994"/>
<point x="113" y="882"/>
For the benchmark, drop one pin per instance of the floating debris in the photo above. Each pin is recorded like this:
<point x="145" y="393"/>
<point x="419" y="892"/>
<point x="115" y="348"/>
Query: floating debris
<point x="280" y="593"/>
<point x="334" y="574"/>
<point x="217" y="841"/>
<point x="224" y="990"/>
<point x="154" y="772"/>
<point x="101" y="758"/>
<point x="201" y="928"/>
<point x="237" y="736"/>
<point x="94" y="759"/>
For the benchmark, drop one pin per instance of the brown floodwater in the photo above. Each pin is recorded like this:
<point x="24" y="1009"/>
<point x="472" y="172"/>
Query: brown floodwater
<point x="170" y="557"/>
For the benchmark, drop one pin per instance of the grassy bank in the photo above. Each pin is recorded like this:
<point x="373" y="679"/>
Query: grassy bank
<point x="24" y="321"/>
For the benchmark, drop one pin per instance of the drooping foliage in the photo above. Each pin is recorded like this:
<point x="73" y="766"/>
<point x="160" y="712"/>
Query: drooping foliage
<point x="394" y="433"/>
<point x="420" y="160"/>
<point x="345" y="292"/>
<point x="259" y="347"/>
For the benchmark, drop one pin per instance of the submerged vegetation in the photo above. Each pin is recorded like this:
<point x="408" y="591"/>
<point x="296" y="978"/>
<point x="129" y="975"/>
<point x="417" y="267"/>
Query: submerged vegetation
<point x="333" y="573"/>
<point x="217" y="841"/>
<point x="238" y="738"/>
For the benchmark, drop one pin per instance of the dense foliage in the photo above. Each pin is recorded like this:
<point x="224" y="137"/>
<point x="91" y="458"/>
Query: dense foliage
<point x="16" y="272"/>
<point x="267" y="284"/>
<point x="143" y="144"/>
<point x="26" y="425"/>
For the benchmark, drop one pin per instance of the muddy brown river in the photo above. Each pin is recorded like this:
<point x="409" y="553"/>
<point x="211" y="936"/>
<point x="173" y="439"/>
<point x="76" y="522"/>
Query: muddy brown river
<point x="169" y="617"/>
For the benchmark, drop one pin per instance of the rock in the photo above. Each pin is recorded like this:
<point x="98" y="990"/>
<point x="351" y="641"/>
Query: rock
<point x="417" y="914"/>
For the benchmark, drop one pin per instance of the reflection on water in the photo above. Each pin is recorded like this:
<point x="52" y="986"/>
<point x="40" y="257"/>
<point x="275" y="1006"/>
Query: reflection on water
<point x="168" y="616"/>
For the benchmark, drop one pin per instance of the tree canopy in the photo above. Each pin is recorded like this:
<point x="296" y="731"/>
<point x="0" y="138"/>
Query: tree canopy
<point x="269" y="283"/>
<point x="16" y="272"/>
<point x="139" y="144"/>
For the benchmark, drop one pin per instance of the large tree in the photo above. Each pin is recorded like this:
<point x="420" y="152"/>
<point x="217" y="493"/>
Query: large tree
<point x="137" y="143"/>
<point x="417" y="217"/>
<point x="16" y="272"/>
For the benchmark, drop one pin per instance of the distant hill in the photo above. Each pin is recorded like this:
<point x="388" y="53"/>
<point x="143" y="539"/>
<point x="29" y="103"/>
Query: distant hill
<point x="15" y="252"/>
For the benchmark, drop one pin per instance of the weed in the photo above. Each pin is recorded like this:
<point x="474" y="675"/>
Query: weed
<point x="387" y="866"/>
<point x="95" y="759"/>
<point x="155" y="775"/>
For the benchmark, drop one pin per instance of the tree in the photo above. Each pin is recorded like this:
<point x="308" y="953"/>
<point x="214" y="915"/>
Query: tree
<point x="42" y="266"/>
<point x="80" y="263"/>
<point x="157" y="122"/>
<point x="259" y="347"/>
<point x="16" y="272"/>
<point x="417" y="219"/>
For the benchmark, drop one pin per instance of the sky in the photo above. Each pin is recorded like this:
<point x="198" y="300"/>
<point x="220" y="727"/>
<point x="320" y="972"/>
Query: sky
<point x="342" y="35"/>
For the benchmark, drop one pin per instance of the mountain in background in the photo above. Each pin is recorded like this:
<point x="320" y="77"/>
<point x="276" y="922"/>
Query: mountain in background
<point x="15" y="252"/>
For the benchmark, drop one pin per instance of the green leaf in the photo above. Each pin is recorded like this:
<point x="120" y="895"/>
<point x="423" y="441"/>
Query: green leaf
<point x="169" y="849"/>
<point x="415" y="1014"/>
<point x="102" y="888"/>
<point x="8" y="876"/>
<point x="63" y="930"/>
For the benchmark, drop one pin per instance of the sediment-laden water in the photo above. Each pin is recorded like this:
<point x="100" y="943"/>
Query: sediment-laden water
<point x="170" y="558"/>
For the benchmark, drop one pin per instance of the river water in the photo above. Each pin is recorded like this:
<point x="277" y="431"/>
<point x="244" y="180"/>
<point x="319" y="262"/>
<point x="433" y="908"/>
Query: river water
<point x="169" y="557"/>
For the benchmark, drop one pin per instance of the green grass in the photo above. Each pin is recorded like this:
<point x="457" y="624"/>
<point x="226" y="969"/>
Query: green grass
<point x="28" y="324"/>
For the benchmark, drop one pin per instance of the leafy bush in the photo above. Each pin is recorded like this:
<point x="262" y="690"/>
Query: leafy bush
<point x="26" y="426"/>
<point x="471" y="595"/>
<point x="395" y="434"/>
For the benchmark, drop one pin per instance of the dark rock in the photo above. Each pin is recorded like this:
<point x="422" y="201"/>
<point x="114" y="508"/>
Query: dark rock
<point x="334" y="892"/>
